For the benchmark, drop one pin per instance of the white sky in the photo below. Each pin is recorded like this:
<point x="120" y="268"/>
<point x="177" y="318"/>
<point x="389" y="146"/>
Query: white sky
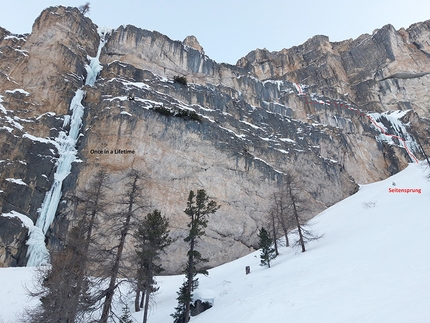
<point x="229" y="29"/>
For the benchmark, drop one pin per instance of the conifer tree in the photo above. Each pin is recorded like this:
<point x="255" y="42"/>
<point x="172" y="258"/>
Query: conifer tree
<point x="183" y="298"/>
<point x="131" y="204"/>
<point x="265" y="244"/>
<point x="64" y="287"/>
<point x="281" y="212"/>
<point x="152" y="237"/>
<point x="199" y="207"/>
<point x="126" y="315"/>
<point x="275" y="228"/>
<point x="295" y="206"/>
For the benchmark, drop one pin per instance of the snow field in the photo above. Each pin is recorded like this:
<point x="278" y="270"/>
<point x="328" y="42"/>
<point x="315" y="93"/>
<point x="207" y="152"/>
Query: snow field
<point x="372" y="265"/>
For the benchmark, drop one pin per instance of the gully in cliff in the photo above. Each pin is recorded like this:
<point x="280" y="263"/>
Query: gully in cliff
<point x="37" y="252"/>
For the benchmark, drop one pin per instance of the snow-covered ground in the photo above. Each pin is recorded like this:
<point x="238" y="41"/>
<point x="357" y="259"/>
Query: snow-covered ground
<point x="372" y="265"/>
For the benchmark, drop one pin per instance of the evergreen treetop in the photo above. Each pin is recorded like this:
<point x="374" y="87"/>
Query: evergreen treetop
<point x="265" y="243"/>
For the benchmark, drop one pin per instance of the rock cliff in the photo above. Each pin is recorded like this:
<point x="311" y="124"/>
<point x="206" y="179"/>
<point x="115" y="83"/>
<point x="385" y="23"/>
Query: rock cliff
<point x="320" y="110"/>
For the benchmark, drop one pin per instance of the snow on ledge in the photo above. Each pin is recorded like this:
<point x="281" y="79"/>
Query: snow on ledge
<point x="39" y="139"/>
<point x="16" y="181"/>
<point x="18" y="90"/>
<point x="36" y="239"/>
<point x="204" y="295"/>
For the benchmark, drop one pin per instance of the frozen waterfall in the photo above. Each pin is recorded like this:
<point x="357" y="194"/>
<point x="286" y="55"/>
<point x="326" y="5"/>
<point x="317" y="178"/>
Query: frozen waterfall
<point x="37" y="252"/>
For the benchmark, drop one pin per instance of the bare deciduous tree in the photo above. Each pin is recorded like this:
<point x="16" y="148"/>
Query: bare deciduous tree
<point x="64" y="287"/>
<point x="281" y="212"/>
<point x="296" y="208"/>
<point x="131" y="205"/>
<point x="85" y="8"/>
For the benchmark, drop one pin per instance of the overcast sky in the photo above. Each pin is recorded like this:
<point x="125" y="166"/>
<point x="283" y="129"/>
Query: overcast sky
<point x="229" y="29"/>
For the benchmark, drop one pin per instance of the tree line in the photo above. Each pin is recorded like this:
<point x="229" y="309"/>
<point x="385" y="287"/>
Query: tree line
<point x="286" y="215"/>
<point x="85" y="276"/>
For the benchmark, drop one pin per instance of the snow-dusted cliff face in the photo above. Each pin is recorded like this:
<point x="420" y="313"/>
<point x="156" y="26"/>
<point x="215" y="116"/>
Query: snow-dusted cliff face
<point x="232" y="130"/>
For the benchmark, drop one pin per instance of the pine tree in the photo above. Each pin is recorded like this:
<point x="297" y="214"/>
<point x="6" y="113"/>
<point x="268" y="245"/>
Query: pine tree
<point x="183" y="298"/>
<point x="152" y="238"/>
<point x="265" y="244"/>
<point x="126" y="315"/>
<point x="198" y="209"/>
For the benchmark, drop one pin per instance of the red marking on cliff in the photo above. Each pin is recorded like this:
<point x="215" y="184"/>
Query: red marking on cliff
<point x="401" y="139"/>
<point x="310" y="101"/>
<point x="405" y="190"/>
<point x="299" y="89"/>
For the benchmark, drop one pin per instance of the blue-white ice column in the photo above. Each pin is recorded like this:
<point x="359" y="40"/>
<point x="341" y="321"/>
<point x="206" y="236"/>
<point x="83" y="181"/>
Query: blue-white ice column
<point x="37" y="252"/>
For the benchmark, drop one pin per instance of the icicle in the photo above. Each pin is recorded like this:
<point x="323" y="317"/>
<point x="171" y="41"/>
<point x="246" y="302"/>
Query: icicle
<point x="37" y="252"/>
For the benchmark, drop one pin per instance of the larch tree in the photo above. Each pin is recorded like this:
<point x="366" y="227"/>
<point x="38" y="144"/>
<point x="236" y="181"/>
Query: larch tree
<point x="281" y="213"/>
<point x="199" y="207"/>
<point x="85" y="8"/>
<point x="296" y="209"/>
<point x="152" y="237"/>
<point x="64" y="292"/>
<point x="57" y="292"/>
<point x="272" y="222"/>
<point x="131" y="204"/>
<point x="92" y="205"/>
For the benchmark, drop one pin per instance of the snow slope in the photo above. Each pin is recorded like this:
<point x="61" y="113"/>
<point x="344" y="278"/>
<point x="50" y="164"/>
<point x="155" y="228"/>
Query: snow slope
<point x="372" y="265"/>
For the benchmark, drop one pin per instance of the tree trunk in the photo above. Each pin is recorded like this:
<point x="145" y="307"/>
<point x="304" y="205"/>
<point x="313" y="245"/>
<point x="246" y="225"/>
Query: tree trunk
<point x="284" y="228"/>
<point x="145" y="310"/>
<point x="112" y="284"/>
<point x="299" y="228"/>
<point x="281" y="218"/>
<point x="275" y="237"/>
<point x="110" y="291"/>
<point x="137" y="300"/>
<point x="97" y="189"/>
<point x="296" y="216"/>
<point x="189" y="280"/>
<point x="142" y="300"/>
<point x="148" y="288"/>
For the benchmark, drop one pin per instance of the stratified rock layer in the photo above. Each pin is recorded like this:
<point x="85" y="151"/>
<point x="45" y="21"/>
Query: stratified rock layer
<point x="231" y="130"/>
